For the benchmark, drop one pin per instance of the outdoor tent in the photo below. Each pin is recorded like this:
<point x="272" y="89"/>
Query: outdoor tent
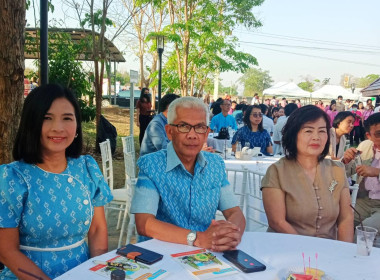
<point x="332" y="92"/>
<point x="286" y="89"/>
<point x="373" y="89"/>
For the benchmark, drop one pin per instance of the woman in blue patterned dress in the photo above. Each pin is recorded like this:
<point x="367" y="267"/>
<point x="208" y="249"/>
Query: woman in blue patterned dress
<point x="51" y="198"/>
<point x="253" y="132"/>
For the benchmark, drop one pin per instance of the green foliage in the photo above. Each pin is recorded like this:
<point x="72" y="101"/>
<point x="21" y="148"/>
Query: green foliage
<point x="367" y="80"/>
<point x="307" y="85"/>
<point x="255" y="80"/>
<point x="65" y="69"/>
<point x="98" y="20"/>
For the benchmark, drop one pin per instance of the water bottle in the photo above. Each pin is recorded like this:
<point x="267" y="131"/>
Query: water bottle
<point x="118" y="274"/>
<point x="238" y="149"/>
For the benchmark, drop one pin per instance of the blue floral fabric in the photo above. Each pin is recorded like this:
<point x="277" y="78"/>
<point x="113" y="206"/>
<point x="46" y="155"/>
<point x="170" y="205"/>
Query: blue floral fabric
<point x="51" y="210"/>
<point x="168" y="191"/>
<point x="155" y="137"/>
<point x="256" y="139"/>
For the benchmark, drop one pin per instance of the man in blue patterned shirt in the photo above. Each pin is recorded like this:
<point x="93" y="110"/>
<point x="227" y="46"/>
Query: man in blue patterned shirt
<point x="179" y="189"/>
<point x="155" y="137"/>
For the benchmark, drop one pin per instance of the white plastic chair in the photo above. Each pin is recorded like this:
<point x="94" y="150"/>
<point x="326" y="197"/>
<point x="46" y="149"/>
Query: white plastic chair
<point x="354" y="193"/>
<point x="128" y="144"/>
<point x="121" y="198"/>
<point x="255" y="213"/>
<point x="238" y="181"/>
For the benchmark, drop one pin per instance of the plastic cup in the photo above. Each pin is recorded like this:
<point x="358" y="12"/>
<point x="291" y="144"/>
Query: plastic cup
<point x="364" y="240"/>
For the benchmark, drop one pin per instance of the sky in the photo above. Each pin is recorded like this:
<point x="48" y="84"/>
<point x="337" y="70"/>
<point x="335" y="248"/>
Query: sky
<point x="302" y="38"/>
<point x="315" y="39"/>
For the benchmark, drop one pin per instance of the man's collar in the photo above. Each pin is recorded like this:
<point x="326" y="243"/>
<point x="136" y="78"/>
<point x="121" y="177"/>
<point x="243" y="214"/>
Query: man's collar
<point x="172" y="160"/>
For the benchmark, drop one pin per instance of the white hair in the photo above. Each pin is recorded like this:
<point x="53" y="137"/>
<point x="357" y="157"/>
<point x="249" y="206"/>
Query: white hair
<point x="189" y="103"/>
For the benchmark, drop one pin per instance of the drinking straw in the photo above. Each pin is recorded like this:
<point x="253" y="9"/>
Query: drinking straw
<point x="363" y="228"/>
<point x="304" y="268"/>
<point x="30" y="274"/>
<point x="316" y="264"/>
<point x="309" y="264"/>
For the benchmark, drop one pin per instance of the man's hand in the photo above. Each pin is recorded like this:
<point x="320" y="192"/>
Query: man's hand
<point x="349" y="155"/>
<point x="367" y="171"/>
<point x="220" y="236"/>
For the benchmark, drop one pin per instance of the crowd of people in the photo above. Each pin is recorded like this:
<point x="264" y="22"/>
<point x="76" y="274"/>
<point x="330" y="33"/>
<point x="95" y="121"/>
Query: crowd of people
<point x="53" y="197"/>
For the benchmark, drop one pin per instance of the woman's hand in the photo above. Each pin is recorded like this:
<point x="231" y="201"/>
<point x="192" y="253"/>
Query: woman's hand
<point x="367" y="171"/>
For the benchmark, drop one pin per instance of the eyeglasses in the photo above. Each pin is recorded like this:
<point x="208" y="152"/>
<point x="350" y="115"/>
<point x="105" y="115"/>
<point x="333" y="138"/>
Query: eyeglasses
<point x="186" y="128"/>
<point x="257" y="115"/>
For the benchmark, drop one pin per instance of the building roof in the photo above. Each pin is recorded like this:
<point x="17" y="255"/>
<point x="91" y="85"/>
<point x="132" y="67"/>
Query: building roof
<point x="76" y="36"/>
<point x="373" y="89"/>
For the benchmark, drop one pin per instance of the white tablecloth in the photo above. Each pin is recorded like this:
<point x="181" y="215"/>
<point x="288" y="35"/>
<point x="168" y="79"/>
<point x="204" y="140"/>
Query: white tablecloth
<point x="256" y="164"/>
<point x="218" y="144"/>
<point x="279" y="252"/>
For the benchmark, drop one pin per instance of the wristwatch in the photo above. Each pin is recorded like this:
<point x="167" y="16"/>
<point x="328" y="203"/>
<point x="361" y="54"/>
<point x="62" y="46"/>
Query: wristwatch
<point x="191" y="236"/>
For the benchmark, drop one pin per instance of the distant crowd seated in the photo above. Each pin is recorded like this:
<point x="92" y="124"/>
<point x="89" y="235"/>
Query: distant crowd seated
<point x="315" y="199"/>
<point x="223" y="119"/>
<point x="253" y="132"/>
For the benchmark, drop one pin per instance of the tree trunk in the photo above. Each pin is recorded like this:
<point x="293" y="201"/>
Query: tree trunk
<point x="12" y="22"/>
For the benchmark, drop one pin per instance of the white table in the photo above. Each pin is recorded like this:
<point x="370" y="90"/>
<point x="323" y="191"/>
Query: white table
<point x="218" y="144"/>
<point x="256" y="164"/>
<point x="278" y="252"/>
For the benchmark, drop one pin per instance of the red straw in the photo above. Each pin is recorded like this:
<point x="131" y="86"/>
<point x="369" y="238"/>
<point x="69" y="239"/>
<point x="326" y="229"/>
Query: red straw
<point x="316" y="264"/>
<point x="309" y="264"/>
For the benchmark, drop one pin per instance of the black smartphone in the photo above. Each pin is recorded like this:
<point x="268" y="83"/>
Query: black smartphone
<point x="243" y="261"/>
<point x="139" y="254"/>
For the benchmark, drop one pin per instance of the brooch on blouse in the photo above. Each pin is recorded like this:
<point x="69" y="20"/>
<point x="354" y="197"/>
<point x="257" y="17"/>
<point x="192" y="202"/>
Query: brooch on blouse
<point x="332" y="185"/>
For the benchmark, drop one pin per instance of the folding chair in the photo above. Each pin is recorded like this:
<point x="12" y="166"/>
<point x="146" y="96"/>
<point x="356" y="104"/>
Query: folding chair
<point x="128" y="144"/>
<point x="256" y="217"/>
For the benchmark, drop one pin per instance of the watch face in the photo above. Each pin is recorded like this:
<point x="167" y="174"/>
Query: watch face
<point x="191" y="236"/>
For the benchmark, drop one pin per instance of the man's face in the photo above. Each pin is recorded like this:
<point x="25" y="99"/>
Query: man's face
<point x="374" y="135"/>
<point x="187" y="145"/>
<point x="225" y="106"/>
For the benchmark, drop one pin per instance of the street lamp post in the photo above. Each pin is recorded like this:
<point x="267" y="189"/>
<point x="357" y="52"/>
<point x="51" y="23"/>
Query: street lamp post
<point x="353" y="87"/>
<point x="160" y="49"/>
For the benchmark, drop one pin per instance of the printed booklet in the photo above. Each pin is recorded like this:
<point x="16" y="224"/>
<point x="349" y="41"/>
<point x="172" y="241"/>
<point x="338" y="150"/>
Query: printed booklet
<point x="133" y="270"/>
<point x="203" y="264"/>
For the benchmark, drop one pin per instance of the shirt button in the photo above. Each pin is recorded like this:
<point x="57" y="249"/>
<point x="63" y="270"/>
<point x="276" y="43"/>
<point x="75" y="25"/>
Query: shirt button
<point x="320" y="208"/>
<point x="319" y="217"/>
<point x="70" y="180"/>
<point x="316" y="188"/>
<point x="318" y="197"/>
<point x="85" y="202"/>
<point x="318" y="227"/>
<point x="86" y="222"/>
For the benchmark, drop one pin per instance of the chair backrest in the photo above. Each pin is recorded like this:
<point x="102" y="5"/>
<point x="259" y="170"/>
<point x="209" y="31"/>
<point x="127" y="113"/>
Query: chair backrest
<point x="238" y="181"/>
<point x="354" y="193"/>
<point x="129" y="165"/>
<point x="256" y="217"/>
<point x="128" y="144"/>
<point x="105" y="151"/>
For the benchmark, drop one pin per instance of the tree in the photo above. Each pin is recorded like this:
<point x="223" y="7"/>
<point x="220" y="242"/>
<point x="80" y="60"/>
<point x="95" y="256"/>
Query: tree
<point x="307" y="85"/>
<point x="12" y="14"/>
<point x="203" y="28"/>
<point x="255" y="80"/>
<point x="367" y="80"/>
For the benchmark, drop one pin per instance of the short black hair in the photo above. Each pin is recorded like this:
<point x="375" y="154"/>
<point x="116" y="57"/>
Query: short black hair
<point x="296" y="120"/>
<point x="355" y="105"/>
<point x="28" y="139"/>
<point x="332" y="102"/>
<point x="263" y="108"/>
<point x="341" y="116"/>
<point x="166" y="100"/>
<point x="146" y="96"/>
<point x="373" y="119"/>
<point x="247" y="115"/>
<point x="339" y="96"/>
<point x="290" y="108"/>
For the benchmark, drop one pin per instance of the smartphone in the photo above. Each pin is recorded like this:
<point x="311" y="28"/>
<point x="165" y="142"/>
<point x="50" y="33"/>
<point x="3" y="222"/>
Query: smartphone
<point x="243" y="261"/>
<point x="139" y="254"/>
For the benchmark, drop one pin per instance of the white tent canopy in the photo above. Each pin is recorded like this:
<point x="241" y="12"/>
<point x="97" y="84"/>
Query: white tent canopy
<point x="332" y="92"/>
<point x="286" y="89"/>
